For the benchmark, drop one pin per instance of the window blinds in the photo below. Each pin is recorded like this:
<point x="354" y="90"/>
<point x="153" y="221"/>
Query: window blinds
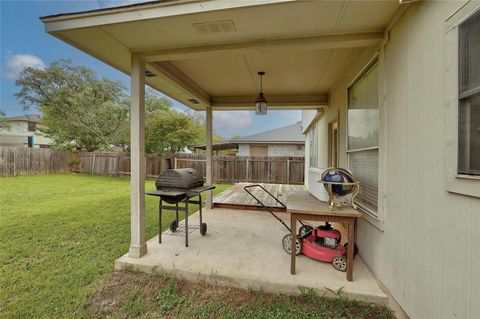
<point x="364" y="166"/>
<point x="363" y="123"/>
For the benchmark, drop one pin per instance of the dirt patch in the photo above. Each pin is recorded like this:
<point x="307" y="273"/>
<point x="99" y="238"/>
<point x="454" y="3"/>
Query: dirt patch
<point x="111" y="293"/>
<point x="131" y="295"/>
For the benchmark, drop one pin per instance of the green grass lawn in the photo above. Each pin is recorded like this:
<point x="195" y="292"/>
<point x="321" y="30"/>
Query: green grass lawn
<point x="59" y="235"/>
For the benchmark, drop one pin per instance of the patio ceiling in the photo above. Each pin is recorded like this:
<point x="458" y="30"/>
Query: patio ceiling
<point x="208" y="53"/>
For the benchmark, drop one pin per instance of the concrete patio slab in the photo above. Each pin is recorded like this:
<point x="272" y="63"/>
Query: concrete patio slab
<point x="243" y="249"/>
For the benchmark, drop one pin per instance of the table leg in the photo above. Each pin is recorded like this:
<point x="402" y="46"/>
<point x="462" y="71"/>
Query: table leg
<point x="350" y="249"/>
<point x="293" y="232"/>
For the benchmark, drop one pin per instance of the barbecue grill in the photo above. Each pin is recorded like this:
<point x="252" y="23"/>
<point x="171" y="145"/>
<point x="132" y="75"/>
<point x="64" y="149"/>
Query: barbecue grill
<point x="177" y="186"/>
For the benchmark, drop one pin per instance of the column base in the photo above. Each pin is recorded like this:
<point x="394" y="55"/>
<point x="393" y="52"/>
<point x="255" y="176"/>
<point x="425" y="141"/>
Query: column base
<point x="137" y="251"/>
<point x="209" y="200"/>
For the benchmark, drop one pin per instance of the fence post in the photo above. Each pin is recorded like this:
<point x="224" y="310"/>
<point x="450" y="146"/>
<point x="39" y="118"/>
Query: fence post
<point x="175" y="163"/>
<point x="288" y="171"/>
<point x="93" y="164"/>
<point x="246" y="172"/>
<point x="118" y="164"/>
<point x="14" y="163"/>
<point x="269" y="170"/>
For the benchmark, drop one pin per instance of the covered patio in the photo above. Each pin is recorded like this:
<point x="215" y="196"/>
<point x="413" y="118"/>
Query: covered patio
<point x="243" y="249"/>
<point x="206" y="55"/>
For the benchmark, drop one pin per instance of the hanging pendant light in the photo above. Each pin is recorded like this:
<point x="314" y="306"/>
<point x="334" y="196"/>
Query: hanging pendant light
<point x="261" y="101"/>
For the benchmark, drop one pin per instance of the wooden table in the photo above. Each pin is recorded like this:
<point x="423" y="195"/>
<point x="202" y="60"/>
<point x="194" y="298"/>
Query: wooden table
<point x="304" y="206"/>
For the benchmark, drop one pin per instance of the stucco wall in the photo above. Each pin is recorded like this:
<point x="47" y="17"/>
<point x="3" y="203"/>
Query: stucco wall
<point x="275" y="150"/>
<point x="425" y="245"/>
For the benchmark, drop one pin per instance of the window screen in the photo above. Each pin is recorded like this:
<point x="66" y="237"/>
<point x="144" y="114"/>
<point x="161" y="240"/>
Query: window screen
<point x="469" y="96"/>
<point x="363" y="123"/>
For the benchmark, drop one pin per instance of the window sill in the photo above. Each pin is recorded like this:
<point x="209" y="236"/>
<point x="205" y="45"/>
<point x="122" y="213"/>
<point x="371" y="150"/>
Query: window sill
<point x="373" y="220"/>
<point x="464" y="185"/>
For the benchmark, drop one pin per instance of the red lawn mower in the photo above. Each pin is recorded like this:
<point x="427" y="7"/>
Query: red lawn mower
<point x="321" y="243"/>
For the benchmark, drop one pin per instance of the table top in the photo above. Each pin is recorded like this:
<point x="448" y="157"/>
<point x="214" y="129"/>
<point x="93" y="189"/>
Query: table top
<point x="305" y="203"/>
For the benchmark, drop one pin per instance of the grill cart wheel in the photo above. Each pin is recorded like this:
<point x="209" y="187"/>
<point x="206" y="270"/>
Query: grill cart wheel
<point x="304" y="229"/>
<point x="287" y="245"/>
<point x="339" y="262"/>
<point x="203" y="229"/>
<point x="174" y="226"/>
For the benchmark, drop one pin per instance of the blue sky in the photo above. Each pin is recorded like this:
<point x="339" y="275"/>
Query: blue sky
<point x="24" y="43"/>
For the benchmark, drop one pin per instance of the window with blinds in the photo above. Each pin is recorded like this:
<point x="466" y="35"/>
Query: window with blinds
<point x="362" y="147"/>
<point x="469" y="96"/>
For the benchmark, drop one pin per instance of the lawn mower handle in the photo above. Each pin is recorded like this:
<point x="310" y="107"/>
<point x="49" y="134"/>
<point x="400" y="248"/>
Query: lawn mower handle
<point x="246" y="188"/>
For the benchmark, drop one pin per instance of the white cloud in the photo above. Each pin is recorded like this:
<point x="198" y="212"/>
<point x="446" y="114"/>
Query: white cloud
<point x="232" y="121"/>
<point x="17" y="62"/>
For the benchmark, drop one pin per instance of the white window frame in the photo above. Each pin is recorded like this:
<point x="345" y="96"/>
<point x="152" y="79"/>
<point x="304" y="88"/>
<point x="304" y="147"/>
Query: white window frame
<point x="374" y="61"/>
<point x="455" y="183"/>
<point x="313" y="140"/>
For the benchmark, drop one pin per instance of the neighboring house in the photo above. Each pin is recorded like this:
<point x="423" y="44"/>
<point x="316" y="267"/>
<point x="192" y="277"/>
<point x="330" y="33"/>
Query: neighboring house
<point x="23" y="131"/>
<point x="283" y="141"/>
<point x="389" y="89"/>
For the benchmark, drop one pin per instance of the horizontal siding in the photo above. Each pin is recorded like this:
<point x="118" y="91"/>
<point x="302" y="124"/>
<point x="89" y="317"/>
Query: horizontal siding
<point x="427" y="255"/>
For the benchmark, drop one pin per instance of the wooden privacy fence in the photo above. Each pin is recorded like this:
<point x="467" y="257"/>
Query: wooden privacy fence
<point x="27" y="161"/>
<point x="281" y="170"/>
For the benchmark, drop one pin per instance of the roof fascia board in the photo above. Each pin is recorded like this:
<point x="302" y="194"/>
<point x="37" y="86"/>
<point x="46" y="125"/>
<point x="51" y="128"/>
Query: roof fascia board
<point x="317" y="117"/>
<point x="318" y="42"/>
<point x="143" y="12"/>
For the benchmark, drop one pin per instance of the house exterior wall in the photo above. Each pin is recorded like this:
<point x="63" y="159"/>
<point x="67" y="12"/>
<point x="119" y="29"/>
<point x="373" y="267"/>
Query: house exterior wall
<point x="286" y="150"/>
<point x="275" y="150"/>
<point x="17" y="136"/>
<point x="424" y="245"/>
<point x="243" y="150"/>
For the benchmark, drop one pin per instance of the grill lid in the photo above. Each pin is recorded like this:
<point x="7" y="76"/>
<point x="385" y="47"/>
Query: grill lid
<point x="183" y="178"/>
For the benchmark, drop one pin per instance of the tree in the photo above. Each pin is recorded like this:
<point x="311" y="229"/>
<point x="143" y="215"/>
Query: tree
<point x="170" y="131"/>
<point x="155" y="104"/>
<point x="3" y="122"/>
<point x="79" y="110"/>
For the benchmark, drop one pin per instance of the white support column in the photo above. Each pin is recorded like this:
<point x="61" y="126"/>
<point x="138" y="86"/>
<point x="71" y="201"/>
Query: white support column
<point x="209" y="134"/>
<point x="138" y="247"/>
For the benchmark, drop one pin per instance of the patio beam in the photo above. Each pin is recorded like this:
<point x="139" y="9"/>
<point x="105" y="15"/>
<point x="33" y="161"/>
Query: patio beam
<point x="246" y="102"/>
<point x="138" y="247"/>
<point x="329" y="41"/>
<point x="167" y="71"/>
<point x="209" y="162"/>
